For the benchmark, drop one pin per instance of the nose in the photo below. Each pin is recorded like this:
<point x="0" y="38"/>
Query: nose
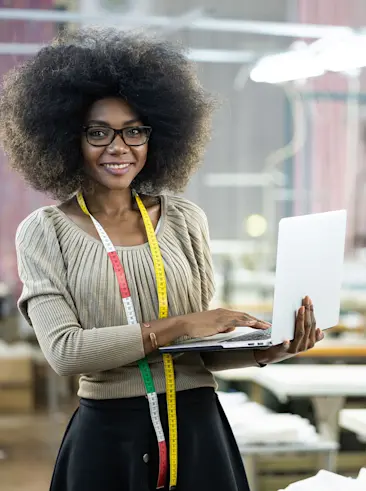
<point x="118" y="146"/>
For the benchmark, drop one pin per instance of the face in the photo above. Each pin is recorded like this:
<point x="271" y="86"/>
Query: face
<point x="114" y="165"/>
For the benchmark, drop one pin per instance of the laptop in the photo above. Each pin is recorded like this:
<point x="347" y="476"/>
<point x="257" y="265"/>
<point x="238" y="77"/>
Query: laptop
<point x="310" y="255"/>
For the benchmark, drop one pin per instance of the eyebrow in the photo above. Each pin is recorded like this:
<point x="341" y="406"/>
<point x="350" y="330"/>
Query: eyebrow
<point x="104" y="123"/>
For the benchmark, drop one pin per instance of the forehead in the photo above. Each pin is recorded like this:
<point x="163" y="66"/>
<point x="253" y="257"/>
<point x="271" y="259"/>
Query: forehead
<point x="113" y="111"/>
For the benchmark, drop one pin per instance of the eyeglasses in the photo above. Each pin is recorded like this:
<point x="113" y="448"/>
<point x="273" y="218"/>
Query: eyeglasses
<point x="102" y="136"/>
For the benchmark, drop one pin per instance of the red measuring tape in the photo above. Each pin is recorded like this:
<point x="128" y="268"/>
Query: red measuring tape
<point x="143" y="364"/>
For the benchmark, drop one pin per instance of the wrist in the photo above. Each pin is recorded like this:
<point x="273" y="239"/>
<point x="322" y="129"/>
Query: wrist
<point x="180" y="327"/>
<point x="260" y="357"/>
<point x="164" y="331"/>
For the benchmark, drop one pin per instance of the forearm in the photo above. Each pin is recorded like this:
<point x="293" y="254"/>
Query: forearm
<point x="166" y="331"/>
<point x="71" y="350"/>
<point x="216" y="361"/>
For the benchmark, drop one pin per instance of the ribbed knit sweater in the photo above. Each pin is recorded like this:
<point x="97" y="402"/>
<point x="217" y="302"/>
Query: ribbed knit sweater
<point x="71" y="298"/>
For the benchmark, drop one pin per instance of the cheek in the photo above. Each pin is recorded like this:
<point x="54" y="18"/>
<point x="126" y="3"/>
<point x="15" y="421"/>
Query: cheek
<point x="141" y="154"/>
<point x="90" y="154"/>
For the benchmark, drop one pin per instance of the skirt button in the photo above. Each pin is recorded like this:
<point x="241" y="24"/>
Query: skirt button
<point x="146" y="458"/>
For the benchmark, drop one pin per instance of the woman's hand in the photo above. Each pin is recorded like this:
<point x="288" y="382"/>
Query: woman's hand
<point x="197" y="325"/>
<point x="202" y="324"/>
<point x="306" y="335"/>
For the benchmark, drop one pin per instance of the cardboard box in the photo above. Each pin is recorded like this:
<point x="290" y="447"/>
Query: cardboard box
<point x="16" y="400"/>
<point x="16" y="384"/>
<point x="15" y="371"/>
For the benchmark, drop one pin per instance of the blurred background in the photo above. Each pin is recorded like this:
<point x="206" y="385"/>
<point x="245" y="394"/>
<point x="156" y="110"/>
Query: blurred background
<point x="288" y="139"/>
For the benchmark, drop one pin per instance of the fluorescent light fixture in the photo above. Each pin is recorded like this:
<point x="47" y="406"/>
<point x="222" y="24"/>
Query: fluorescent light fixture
<point x="286" y="67"/>
<point x="342" y="55"/>
<point x="313" y="31"/>
<point x="237" y="179"/>
<point x="336" y="54"/>
<point x="221" y="56"/>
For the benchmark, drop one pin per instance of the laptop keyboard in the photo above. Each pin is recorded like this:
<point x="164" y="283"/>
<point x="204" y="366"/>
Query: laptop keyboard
<point x="255" y="336"/>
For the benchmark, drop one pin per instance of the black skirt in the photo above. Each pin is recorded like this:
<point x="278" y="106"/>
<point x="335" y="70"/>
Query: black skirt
<point x="111" y="446"/>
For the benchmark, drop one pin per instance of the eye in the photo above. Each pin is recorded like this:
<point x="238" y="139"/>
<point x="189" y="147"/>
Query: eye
<point x="134" y="132"/>
<point x="98" y="133"/>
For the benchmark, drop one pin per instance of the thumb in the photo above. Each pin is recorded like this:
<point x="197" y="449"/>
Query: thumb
<point x="286" y="345"/>
<point x="224" y="330"/>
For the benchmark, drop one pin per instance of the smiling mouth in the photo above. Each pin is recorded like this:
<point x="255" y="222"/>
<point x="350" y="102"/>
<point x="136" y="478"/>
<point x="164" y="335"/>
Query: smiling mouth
<point x="116" y="166"/>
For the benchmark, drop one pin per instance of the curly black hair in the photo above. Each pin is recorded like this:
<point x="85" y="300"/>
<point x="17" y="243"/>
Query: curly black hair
<point x="44" y="103"/>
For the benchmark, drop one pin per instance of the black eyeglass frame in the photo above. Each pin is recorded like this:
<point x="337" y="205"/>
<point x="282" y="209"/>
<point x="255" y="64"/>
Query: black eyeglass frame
<point x="148" y="130"/>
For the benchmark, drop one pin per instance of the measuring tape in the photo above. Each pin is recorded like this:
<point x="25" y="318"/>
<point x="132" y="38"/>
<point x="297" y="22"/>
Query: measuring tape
<point x="168" y="359"/>
<point x="143" y="364"/>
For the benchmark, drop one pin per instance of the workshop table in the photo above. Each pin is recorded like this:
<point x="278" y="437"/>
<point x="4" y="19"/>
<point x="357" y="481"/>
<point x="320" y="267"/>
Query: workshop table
<point x="327" y="386"/>
<point x="354" y="420"/>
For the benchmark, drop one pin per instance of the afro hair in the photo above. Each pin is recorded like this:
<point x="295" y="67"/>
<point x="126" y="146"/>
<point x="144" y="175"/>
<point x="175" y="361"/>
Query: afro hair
<point x="45" y="101"/>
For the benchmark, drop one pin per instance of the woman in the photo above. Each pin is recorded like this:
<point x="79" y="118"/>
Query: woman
<point x="107" y="123"/>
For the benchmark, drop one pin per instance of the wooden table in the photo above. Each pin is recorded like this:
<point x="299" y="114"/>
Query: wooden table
<point x="335" y="349"/>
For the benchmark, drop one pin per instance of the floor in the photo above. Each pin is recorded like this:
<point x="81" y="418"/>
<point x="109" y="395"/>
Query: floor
<point x="30" y="445"/>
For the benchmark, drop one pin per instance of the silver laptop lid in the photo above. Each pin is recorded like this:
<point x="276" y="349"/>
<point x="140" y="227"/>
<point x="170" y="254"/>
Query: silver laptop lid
<point x="310" y="257"/>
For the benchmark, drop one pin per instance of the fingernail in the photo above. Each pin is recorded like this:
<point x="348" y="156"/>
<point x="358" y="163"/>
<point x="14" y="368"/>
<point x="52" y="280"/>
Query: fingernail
<point x="301" y="310"/>
<point x="286" y="345"/>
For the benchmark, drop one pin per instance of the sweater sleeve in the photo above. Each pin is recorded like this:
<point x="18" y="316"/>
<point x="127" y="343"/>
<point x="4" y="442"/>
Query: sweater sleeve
<point x="48" y="307"/>
<point x="215" y="361"/>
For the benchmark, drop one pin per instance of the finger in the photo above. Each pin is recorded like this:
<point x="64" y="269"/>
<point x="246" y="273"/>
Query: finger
<point x="251" y="317"/>
<point x="313" y="320"/>
<point x="319" y="335"/>
<point x="307" y="324"/>
<point x="254" y="320"/>
<point x="313" y="332"/>
<point x="247" y="320"/>
<point x="242" y="322"/>
<point x="299" y="330"/>
<point x="255" y="324"/>
<point x="227" y="330"/>
<point x="286" y="345"/>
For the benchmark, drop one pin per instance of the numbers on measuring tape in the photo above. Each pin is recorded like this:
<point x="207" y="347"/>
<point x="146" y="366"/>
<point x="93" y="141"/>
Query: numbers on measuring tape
<point x="143" y="364"/>
<point x="168" y="359"/>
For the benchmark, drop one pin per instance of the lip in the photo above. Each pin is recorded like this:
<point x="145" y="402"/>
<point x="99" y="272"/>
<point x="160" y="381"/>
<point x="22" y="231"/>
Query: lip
<point x="117" y="172"/>
<point x="116" y="162"/>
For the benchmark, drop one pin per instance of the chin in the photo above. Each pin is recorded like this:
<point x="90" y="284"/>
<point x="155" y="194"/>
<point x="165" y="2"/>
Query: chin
<point x="117" y="186"/>
<point x="110" y="181"/>
<point x="114" y="183"/>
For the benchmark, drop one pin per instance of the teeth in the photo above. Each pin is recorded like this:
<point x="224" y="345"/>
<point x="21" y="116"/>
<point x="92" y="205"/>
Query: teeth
<point x="116" y="166"/>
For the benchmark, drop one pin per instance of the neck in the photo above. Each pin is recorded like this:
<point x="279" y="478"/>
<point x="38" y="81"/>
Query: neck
<point x="109" y="202"/>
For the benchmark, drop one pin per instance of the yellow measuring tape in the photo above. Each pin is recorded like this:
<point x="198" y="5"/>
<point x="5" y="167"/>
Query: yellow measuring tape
<point x="168" y="359"/>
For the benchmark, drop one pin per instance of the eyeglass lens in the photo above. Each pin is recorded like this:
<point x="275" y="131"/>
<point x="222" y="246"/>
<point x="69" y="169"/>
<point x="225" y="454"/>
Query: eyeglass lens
<point x="103" y="135"/>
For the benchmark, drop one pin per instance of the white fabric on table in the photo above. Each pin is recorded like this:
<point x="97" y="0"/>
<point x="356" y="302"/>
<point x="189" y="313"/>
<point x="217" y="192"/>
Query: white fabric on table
<point x="325" y="481"/>
<point x="253" y="423"/>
